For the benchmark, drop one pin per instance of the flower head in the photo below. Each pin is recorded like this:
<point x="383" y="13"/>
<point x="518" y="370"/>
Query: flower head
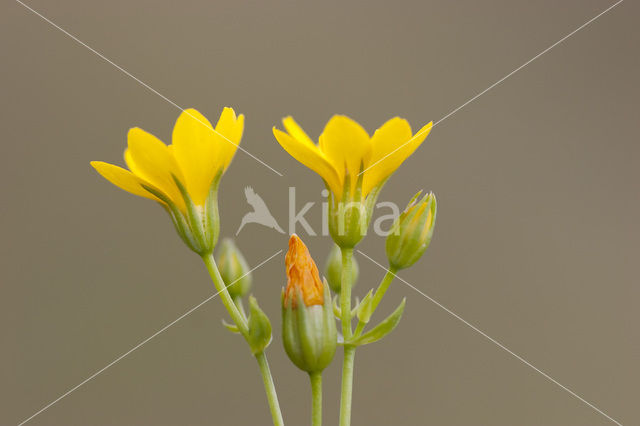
<point x="183" y="176"/>
<point x="345" y="150"/>
<point x="302" y="275"/>
<point x="197" y="154"/>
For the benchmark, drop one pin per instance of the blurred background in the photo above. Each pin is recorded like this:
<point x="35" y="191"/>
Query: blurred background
<point x="537" y="183"/>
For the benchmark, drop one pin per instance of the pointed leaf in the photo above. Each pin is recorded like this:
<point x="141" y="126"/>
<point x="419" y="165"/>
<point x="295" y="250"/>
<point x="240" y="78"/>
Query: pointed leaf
<point x="382" y="329"/>
<point x="336" y="307"/>
<point x="364" y="309"/>
<point x="231" y="327"/>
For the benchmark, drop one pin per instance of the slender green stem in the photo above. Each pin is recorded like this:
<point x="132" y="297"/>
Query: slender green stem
<point x="377" y="297"/>
<point x="349" y="351"/>
<point x="270" y="389"/>
<point x="227" y="301"/>
<point x="345" y="292"/>
<point x="316" y="398"/>
<point x="241" y="322"/>
<point x="347" y="385"/>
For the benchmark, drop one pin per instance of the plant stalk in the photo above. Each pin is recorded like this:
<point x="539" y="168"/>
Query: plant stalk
<point x="347" y="385"/>
<point x="349" y="351"/>
<point x="316" y="398"/>
<point x="270" y="389"/>
<point x="241" y="322"/>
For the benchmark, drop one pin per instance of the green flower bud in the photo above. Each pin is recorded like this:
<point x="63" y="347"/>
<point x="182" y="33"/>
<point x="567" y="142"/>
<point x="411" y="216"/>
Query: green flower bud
<point x="411" y="233"/>
<point x="259" y="333"/>
<point x="308" y="326"/>
<point x="233" y="269"/>
<point x="333" y="269"/>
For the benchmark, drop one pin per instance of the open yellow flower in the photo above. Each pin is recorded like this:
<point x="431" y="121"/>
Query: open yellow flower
<point x="345" y="149"/>
<point x="196" y="156"/>
<point x="183" y="176"/>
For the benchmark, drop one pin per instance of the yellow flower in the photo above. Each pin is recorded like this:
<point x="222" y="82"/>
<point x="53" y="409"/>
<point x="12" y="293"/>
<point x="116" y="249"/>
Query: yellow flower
<point x="345" y="149"/>
<point x="197" y="155"/>
<point x="183" y="176"/>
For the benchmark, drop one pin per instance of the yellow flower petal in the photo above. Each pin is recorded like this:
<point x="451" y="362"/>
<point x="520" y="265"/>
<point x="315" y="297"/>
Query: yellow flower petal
<point x="391" y="145"/>
<point x="346" y="145"/>
<point x="312" y="157"/>
<point x="296" y="131"/>
<point x="229" y="130"/>
<point x="123" y="179"/>
<point x="197" y="151"/>
<point x="150" y="159"/>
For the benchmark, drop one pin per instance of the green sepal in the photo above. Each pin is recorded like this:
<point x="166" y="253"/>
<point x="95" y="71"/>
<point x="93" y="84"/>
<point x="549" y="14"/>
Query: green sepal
<point x="231" y="327"/>
<point x="309" y="333"/>
<point x="196" y="222"/>
<point x="178" y="219"/>
<point x="372" y="197"/>
<point x="382" y="329"/>
<point x="259" y="333"/>
<point x="290" y="334"/>
<point x="211" y="213"/>
<point x="330" y="332"/>
<point x="364" y="309"/>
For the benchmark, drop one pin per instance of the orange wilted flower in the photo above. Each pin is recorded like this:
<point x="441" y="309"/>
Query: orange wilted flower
<point x="302" y="275"/>
<point x="309" y="332"/>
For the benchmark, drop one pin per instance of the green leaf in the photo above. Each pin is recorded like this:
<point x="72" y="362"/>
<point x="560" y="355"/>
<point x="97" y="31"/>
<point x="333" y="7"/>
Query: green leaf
<point x="364" y="309"/>
<point x="231" y="327"/>
<point x="259" y="334"/>
<point x="382" y="329"/>
<point x="336" y="307"/>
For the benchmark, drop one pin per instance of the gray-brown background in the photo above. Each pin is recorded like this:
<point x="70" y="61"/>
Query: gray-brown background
<point x="537" y="182"/>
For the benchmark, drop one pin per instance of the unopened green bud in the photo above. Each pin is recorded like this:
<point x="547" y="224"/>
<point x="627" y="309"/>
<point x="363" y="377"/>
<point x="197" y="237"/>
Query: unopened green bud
<point x="308" y="326"/>
<point x="411" y="233"/>
<point x="333" y="269"/>
<point x="234" y="269"/>
<point x="259" y="332"/>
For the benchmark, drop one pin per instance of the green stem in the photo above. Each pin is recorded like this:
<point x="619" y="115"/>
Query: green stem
<point x="227" y="301"/>
<point x="270" y="389"/>
<point x="347" y="385"/>
<point x="377" y="297"/>
<point x="316" y="398"/>
<point x="240" y="320"/>
<point x="345" y="292"/>
<point x="349" y="351"/>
